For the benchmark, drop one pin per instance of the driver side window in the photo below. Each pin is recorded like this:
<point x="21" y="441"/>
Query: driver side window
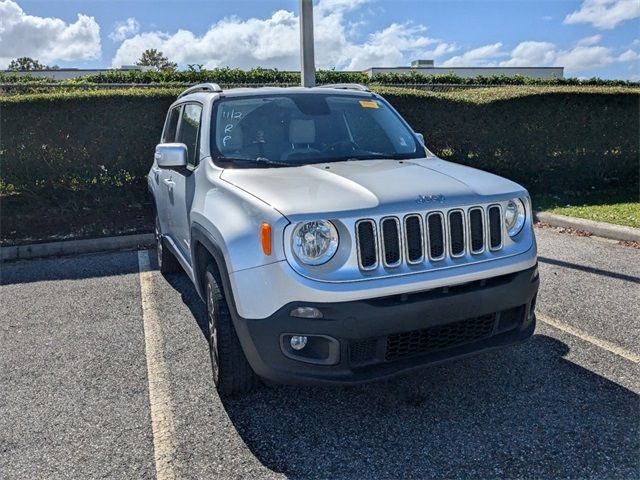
<point x="171" y="125"/>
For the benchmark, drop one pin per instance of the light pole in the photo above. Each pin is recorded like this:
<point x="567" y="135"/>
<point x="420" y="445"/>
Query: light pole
<point x="307" y="61"/>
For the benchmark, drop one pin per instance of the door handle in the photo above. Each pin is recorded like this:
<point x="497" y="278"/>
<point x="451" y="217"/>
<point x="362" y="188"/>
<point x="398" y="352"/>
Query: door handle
<point x="169" y="183"/>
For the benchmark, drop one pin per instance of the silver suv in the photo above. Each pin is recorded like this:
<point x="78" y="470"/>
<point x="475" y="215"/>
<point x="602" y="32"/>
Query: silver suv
<point x="329" y="244"/>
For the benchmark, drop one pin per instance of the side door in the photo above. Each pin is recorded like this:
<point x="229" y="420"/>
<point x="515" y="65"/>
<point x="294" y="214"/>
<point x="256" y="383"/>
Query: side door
<point x="162" y="178"/>
<point x="184" y="180"/>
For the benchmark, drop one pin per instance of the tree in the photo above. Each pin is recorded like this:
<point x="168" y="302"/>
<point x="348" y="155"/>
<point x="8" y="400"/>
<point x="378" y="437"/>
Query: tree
<point x="154" y="58"/>
<point x="25" y="64"/>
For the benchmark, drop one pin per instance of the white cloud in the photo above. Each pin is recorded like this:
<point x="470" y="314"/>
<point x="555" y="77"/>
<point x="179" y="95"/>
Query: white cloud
<point x="481" y="56"/>
<point x="44" y="38"/>
<point x="124" y="30"/>
<point x="531" y="54"/>
<point x="585" y="55"/>
<point x="588" y="41"/>
<point x="438" y="51"/>
<point x="629" y="56"/>
<point x="583" y="58"/>
<point x="274" y="42"/>
<point x="604" y="14"/>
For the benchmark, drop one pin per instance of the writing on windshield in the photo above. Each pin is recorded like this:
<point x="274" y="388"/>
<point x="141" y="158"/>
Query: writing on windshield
<point x="295" y="129"/>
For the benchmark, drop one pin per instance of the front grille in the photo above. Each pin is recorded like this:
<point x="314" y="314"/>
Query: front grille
<point x="495" y="227"/>
<point x="418" y="342"/>
<point x="436" y="236"/>
<point x="367" y="248"/>
<point x="476" y="227"/>
<point x="432" y="237"/>
<point x="456" y="233"/>
<point x="391" y="241"/>
<point x="414" y="236"/>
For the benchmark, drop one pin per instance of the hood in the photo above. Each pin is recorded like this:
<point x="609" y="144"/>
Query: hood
<point x="367" y="184"/>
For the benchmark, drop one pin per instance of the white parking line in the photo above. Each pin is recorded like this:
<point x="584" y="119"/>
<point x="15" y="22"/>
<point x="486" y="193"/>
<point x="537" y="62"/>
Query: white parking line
<point x="162" y="424"/>
<point x="609" y="347"/>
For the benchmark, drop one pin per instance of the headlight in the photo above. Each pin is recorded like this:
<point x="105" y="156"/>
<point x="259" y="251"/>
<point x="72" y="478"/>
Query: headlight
<point x="314" y="243"/>
<point x="514" y="216"/>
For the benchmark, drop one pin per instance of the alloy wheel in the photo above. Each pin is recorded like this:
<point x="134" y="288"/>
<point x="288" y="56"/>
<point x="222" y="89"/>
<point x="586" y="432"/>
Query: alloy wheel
<point x="213" y="337"/>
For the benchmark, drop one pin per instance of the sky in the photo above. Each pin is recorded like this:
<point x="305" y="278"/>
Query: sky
<point x="588" y="37"/>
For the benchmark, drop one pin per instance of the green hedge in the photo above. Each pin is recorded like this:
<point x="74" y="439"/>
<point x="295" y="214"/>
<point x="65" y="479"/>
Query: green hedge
<point x="273" y="76"/>
<point x="549" y="139"/>
<point x="79" y="141"/>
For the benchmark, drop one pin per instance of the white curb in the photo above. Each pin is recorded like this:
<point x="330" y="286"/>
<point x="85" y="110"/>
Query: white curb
<point x="600" y="229"/>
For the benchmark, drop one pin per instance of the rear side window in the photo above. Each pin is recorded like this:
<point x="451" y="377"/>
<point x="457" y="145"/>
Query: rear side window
<point x="189" y="130"/>
<point x="171" y="126"/>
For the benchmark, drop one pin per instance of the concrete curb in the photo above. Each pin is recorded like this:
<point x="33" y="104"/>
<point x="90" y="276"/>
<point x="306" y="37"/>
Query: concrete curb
<point x="600" y="229"/>
<point x="73" y="247"/>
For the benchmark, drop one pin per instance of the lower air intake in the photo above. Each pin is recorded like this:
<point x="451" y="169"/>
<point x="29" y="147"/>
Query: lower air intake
<point x="417" y="342"/>
<point x="362" y="351"/>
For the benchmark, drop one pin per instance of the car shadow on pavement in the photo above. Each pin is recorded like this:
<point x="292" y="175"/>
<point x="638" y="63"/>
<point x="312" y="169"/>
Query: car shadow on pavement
<point x="521" y="412"/>
<point x="182" y="284"/>
<point x="595" y="271"/>
<point x="76" y="267"/>
<point x="524" y="411"/>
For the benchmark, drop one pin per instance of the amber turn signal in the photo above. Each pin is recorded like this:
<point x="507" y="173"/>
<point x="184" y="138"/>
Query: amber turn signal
<point x="265" y="238"/>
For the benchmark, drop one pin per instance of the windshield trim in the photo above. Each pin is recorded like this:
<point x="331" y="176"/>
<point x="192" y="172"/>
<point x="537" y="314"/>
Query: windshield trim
<point x="224" y="162"/>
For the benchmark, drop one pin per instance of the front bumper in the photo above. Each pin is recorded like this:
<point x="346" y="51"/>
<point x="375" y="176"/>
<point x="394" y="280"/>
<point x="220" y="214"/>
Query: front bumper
<point x="382" y="337"/>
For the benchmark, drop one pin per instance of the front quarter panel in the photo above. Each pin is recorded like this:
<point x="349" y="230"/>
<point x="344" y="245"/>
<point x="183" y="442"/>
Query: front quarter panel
<point x="232" y="218"/>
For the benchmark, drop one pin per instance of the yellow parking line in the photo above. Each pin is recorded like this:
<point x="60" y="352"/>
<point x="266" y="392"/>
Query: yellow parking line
<point x="609" y="347"/>
<point x="162" y="423"/>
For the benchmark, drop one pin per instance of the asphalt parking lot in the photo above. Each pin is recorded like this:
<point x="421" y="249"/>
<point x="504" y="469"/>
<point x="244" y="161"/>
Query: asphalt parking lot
<point x="83" y="338"/>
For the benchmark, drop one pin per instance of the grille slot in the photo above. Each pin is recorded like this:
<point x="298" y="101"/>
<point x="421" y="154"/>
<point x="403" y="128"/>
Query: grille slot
<point x="390" y="227"/>
<point x="456" y="233"/>
<point x="367" y="248"/>
<point x="435" y="229"/>
<point x="476" y="229"/>
<point x="495" y="227"/>
<point x="417" y="342"/>
<point x="414" y="239"/>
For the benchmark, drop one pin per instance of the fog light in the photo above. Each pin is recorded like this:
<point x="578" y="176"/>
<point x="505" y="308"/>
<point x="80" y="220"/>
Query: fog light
<point x="306" y="312"/>
<point x="298" y="342"/>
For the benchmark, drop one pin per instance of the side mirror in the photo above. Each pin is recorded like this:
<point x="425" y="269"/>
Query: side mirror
<point x="171" y="155"/>
<point x="420" y="137"/>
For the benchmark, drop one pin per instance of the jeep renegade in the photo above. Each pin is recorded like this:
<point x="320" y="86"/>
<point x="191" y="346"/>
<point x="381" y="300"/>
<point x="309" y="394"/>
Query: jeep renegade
<point x="329" y="244"/>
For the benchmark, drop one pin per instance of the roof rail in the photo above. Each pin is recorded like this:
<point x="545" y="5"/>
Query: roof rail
<point x="202" y="87"/>
<point x="347" y="86"/>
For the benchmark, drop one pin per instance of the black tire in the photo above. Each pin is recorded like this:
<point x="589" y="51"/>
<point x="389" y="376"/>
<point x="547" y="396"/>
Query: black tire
<point x="232" y="373"/>
<point x="167" y="262"/>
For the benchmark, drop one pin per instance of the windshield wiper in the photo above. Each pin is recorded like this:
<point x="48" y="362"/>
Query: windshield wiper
<point x="257" y="160"/>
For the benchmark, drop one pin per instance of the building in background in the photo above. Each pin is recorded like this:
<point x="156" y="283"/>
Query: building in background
<point x="427" y="67"/>
<point x="69" y="73"/>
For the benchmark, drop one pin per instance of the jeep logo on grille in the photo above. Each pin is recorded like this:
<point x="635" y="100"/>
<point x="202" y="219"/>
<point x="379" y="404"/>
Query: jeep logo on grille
<point x="430" y="198"/>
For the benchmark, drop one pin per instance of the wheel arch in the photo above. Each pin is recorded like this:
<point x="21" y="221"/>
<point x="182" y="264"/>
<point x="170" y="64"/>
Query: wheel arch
<point x="205" y="252"/>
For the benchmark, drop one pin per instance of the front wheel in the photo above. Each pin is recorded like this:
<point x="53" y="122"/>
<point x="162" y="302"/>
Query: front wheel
<point x="232" y="373"/>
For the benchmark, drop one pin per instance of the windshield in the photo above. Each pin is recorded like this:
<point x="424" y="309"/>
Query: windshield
<point x="297" y="129"/>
